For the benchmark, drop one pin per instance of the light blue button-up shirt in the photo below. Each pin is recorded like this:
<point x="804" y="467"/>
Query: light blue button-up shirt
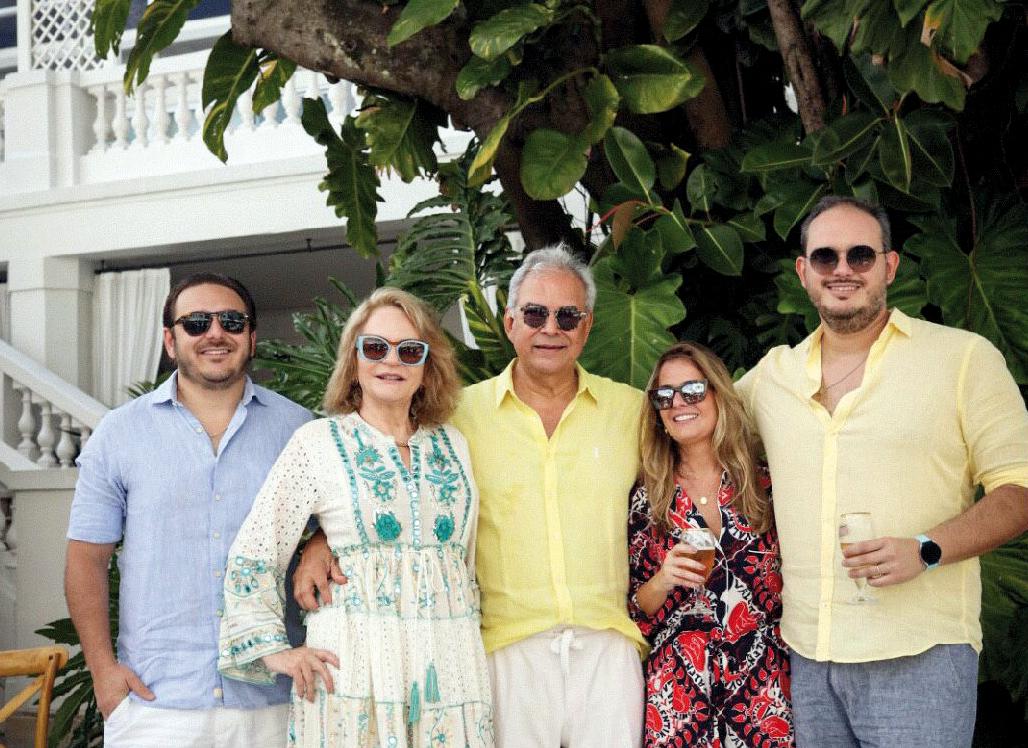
<point x="148" y="474"/>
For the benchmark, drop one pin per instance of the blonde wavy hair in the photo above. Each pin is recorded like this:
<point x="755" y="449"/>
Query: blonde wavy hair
<point x="436" y="399"/>
<point x="734" y="443"/>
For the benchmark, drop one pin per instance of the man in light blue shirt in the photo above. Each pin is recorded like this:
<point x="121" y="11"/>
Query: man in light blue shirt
<point x="173" y="474"/>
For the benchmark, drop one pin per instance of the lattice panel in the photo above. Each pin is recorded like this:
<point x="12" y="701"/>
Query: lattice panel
<point x="60" y="35"/>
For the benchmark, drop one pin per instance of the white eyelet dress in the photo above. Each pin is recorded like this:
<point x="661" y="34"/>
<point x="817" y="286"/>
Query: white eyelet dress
<point x="412" y="669"/>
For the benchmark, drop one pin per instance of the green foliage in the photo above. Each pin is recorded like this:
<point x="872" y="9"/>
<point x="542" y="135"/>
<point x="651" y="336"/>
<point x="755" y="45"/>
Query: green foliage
<point x="494" y="36"/>
<point x="651" y="79"/>
<point x="107" y="24"/>
<point x="416" y="15"/>
<point x="75" y="684"/>
<point x="401" y="133"/>
<point x="159" y="26"/>
<point x="351" y="182"/>
<point x="231" y="70"/>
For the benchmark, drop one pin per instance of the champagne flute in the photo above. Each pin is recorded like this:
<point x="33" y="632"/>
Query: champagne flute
<point x="703" y="540"/>
<point x="855" y="527"/>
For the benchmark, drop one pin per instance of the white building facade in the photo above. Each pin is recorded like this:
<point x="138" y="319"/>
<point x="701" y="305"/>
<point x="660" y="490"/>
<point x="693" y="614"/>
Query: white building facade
<point x="105" y="200"/>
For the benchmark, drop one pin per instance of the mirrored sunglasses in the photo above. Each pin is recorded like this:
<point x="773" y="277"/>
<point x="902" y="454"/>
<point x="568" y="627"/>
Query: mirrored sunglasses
<point x="410" y="352"/>
<point x="692" y="392"/>
<point x="860" y="258"/>
<point x="568" y="317"/>
<point x="197" y="323"/>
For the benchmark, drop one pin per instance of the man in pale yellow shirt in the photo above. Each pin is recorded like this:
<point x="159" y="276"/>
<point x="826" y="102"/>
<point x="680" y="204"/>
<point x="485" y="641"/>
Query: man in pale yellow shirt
<point x="877" y="412"/>
<point x="555" y="452"/>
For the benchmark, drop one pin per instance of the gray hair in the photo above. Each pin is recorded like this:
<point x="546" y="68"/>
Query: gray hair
<point x="831" y="201"/>
<point x="557" y="257"/>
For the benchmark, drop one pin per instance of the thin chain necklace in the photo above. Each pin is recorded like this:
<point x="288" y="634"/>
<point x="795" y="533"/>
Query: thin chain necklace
<point x="825" y="387"/>
<point x="703" y="498"/>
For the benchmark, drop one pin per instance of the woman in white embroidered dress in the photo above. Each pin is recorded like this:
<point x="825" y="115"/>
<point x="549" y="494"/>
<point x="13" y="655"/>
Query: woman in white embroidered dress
<point x="396" y="659"/>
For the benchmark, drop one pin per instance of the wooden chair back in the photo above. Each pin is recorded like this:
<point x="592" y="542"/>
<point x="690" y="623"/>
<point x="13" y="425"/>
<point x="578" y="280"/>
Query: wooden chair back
<point x="42" y="662"/>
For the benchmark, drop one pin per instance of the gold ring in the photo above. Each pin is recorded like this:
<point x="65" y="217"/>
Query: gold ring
<point x="878" y="571"/>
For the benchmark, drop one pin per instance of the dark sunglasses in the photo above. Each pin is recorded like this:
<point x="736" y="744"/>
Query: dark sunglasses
<point x="197" y="323"/>
<point x="860" y="258"/>
<point x="692" y="392"/>
<point x="409" y="352"/>
<point x="568" y="317"/>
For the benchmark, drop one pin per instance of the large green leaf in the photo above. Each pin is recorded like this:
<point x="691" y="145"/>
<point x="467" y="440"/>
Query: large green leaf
<point x="959" y="25"/>
<point x="775" y="156"/>
<point x="351" y="182"/>
<point x="478" y="74"/>
<point x="844" y="136"/>
<point x="602" y="100"/>
<point x="1005" y="617"/>
<point x="401" y="133"/>
<point x="982" y="290"/>
<point x="487" y="328"/>
<point x="482" y="166"/>
<point x="930" y="148"/>
<point x="107" y="23"/>
<point x="792" y="296"/>
<point x="894" y="155"/>
<point x="834" y="18"/>
<point x="231" y="70"/>
<point x="796" y="200"/>
<point x="418" y="14"/>
<point x="701" y="187"/>
<point x="869" y="80"/>
<point x="922" y="70"/>
<point x="159" y="26"/>
<point x="720" y="248"/>
<point x="552" y="162"/>
<point x="671" y="165"/>
<point x="492" y="37"/>
<point x="908" y="291"/>
<point x="908" y="9"/>
<point x="652" y="79"/>
<point x="629" y="160"/>
<point x="275" y="71"/>
<point x="632" y="319"/>
<point x="682" y="17"/>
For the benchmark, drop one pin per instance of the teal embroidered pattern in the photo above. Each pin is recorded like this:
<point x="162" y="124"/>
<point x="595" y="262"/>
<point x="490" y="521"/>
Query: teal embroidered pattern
<point x="372" y="468"/>
<point x="443" y="527"/>
<point x="387" y="527"/>
<point x="358" y="518"/>
<point x="244" y="576"/>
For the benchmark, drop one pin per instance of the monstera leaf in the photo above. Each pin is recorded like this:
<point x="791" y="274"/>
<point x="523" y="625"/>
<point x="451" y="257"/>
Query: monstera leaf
<point x="401" y="133"/>
<point x="636" y="304"/>
<point x="1005" y="617"/>
<point x="983" y="290"/>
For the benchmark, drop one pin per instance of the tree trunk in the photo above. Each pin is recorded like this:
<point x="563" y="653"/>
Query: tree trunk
<point x="799" y="63"/>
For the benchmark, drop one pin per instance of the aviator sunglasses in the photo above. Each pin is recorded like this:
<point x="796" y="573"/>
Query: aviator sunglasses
<point x="692" y="392"/>
<point x="197" y="323"/>
<point x="410" y="352"/>
<point x="568" y="317"/>
<point x="860" y="258"/>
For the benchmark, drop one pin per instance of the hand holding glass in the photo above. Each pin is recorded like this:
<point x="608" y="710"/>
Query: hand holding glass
<point x="855" y="527"/>
<point x="705" y="544"/>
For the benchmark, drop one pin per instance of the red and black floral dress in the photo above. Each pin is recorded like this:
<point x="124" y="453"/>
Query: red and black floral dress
<point x="721" y="680"/>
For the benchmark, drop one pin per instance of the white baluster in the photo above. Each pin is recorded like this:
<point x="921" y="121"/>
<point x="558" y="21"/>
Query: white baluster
<point x="140" y="122"/>
<point x="183" y="114"/>
<point x="100" y="124"/>
<point x="66" y="449"/>
<point x="338" y="105"/>
<point x="47" y="437"/>
<point x="312" y="89"/>
<point x="291" y="102"/>
<point x="26" y="424"/>
<point x="119" y="124"/>
<point x="270" y="115"/>
<point x="84" y="433"/>
<point x="246" y="119"/>
<point x="161" y="119"/>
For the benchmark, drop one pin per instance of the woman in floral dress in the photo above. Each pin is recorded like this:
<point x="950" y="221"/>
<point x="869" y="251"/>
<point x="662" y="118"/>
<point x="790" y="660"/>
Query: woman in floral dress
<point x="718" y="672"/>
<point x="396" y="659"/>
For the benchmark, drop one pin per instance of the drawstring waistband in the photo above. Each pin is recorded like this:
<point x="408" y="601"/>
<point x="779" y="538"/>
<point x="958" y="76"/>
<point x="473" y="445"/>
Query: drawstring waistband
<point x="562" y="645"/>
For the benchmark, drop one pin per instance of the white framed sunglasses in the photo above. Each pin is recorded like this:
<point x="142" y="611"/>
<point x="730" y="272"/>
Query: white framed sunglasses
<point x="410" y="352"/>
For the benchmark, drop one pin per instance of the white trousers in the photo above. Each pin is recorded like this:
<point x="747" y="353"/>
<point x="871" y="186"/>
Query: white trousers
<point x="570" y="686"/>
<point x="132" y="725"/>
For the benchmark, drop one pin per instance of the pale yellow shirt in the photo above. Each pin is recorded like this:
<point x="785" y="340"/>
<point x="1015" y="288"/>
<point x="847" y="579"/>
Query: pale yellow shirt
<point x="552" y="544"/>
<point x="936" y="414"/>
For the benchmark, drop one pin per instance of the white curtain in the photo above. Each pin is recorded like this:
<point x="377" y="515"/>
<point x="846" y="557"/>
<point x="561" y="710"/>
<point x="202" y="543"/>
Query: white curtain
<point x="127" y="331"/>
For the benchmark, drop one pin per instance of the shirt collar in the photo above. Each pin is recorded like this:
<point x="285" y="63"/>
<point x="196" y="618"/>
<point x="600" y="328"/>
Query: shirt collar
<point x="587" y="383"/>
<point x="167" y="392"/>
<point x="810" y="349"/>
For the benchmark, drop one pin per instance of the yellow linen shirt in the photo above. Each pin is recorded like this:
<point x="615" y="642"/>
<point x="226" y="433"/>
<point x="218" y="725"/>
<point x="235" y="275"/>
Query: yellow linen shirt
<point x="936" y="414"/>
<point x="552" y="545"/>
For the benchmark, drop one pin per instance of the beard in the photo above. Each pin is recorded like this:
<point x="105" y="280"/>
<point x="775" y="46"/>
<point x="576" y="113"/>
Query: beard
<point x="222" y="379"/>
<point x="847" y="321"/>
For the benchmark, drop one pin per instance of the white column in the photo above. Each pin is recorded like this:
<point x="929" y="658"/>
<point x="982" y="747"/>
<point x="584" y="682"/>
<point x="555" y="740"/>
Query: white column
<point x="51" y="313"/>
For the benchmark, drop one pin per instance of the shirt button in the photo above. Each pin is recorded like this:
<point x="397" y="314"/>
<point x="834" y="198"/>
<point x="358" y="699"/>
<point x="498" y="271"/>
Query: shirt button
<point x="217" y="573"/>
<point x="199" y="429"/>
<point x="218" y="693"/>
<point x="217" y="535"/>
<point x="220" y="613"/>
<point x="217" y="497"/>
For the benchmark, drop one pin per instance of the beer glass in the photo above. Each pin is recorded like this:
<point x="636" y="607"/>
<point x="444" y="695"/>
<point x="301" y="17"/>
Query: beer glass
<point x="855" y="527"/>
<point x="703" y="540"/>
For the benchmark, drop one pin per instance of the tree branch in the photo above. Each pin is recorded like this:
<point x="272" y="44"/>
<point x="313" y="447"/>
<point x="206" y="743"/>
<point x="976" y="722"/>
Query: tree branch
<point x="799" y="63"/>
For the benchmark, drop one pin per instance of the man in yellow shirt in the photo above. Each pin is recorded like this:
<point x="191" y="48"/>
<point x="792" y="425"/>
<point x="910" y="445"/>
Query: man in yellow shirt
<point x="555" y="452"/>
<point x="880" y="413"/>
